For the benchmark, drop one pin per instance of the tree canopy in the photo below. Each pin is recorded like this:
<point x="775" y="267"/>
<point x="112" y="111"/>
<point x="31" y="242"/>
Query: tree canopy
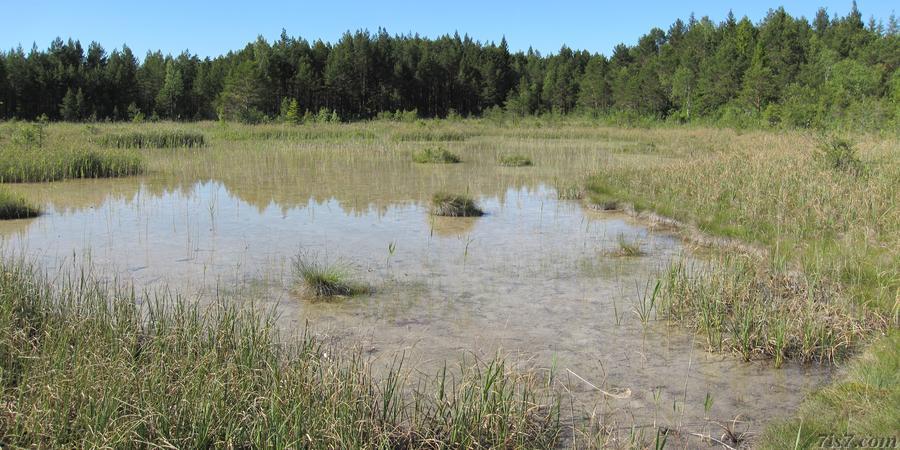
<point x="783" y="70"/>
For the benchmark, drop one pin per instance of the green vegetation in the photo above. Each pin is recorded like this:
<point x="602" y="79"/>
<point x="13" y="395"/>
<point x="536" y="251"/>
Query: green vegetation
<point x="783" y="71"/>
<point x="515" y="161"/>
<point x="17" y="165"/>
<point x="818" y="278"/>
<point x="13" y="206"/>
<point x="862" y="403"/>
<point x="150" y="139"/>
<point x="444" y="204"/>
<point x="434" y="155"/>
<point x="327" y="279"/>
<point x="83" y="368"/>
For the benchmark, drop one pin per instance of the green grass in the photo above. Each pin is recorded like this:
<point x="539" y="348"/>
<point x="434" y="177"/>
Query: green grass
<point x="39" y="165"/>
<point x="14" y="206"/>
<point x="862" y="403"/>
<point x="431" y="155"/>
<point x="451" y="205"/>
<point x="327" y="279"/>
<point x="515" y="161"/>
<point x="81" y="367"/>
<point x="823" y="286"/>
<point x="153" y="139"/>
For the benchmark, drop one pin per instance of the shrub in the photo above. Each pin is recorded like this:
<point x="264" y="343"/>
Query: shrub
<point x="839" y="154"/>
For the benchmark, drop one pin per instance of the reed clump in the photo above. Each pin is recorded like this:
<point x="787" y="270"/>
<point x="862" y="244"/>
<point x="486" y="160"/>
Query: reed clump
<point x="454" y="205"/>
<point x="154" y="139"/>
<point x="322" y="278"/>
<point x="41" y="165"/>
<point x="85" y="367"/>
<point x="435" y="155"/>
<point x="14" y="206"/>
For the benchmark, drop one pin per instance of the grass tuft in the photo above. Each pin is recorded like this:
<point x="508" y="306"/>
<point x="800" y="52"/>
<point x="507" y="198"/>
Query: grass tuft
<point x="444" y="204"/>
<point x="13" y="206"/>
<point x="435" y="156"/>
<point x="327" y="279"/>
<point x="515" y="161"/>
<point x="627" y="247"/>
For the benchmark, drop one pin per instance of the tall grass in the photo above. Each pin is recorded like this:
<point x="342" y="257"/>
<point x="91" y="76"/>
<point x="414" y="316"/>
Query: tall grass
<point x="154" y="139"/>
<point x="83" y="368"/>
<point x="14" y="206"/>
<point x="435" y="155"/>
<point x="38" y="165"/>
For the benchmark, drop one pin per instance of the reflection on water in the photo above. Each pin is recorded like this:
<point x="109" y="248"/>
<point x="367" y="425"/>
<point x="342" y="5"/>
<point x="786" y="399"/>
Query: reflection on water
<point x="533" y="277"/>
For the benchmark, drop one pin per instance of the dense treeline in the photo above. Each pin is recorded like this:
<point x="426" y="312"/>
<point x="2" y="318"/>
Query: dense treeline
<point x="781" y="70"/>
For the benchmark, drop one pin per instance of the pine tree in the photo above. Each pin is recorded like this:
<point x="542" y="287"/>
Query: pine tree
<point x="68" y="109"/>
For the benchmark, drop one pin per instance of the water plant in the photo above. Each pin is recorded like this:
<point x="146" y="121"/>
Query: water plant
<point x="154" y="139"/>
<point x="14" y="206"/>
<point x="435" y="155"/>
<point x="515" y="161"/>
<point x="454" y="205"/>
<point x="18" y="166"/>
<point x="627" y="247"/>
<point x="323" y="278"/>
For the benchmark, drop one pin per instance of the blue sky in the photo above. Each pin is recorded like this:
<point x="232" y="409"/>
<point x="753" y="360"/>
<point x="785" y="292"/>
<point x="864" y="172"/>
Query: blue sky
<point x="210" y="28"/>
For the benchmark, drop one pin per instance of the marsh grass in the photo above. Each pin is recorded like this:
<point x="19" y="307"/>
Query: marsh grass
<point x="14" y="206"/>
<point x="40" y="165"/>
<point x="435" y="155"/>
<point x="515" y="161"/>
<point x="153" y="139"/>
<point x="742" y="306"/>
<point x="427" y="135"/>
<point x="839" y="154"/>
<point x="626" y="247"/>
<point x="85" y="367"/>
<point x="323" y="278"/>
<point x="452" y="205"/>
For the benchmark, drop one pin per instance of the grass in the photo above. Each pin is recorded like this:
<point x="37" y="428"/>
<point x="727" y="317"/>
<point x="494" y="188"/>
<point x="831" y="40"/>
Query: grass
<point x="432" y="155"/>
<point x="154" y="139"/>
<point x="824" y="285"/>
<point x="451" y="205"/>
<point x="41" y="165"/>
<point x="627" y="247"/>
<point x="83" y="367"/>
<point x="863" y="403"/>
<point x="13" y="206"/>
<point x="327" y="279"/>
<point x="515" y="161"/>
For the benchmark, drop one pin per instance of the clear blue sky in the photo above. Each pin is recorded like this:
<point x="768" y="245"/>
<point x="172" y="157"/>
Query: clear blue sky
<point x="210" y="28"/>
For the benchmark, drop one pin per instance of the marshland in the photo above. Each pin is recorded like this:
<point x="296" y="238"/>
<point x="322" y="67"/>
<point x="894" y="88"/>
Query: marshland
<point x="608" y="324"/>
<point x="398" y="241"/>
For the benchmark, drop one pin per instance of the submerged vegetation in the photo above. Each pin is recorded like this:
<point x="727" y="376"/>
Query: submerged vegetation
<point x="435" y="155"/>
<point x="13" y="206"/>
<point x="452" y="205"/>
<point x="85" y="368"/>
<point x="322" y="278"/>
